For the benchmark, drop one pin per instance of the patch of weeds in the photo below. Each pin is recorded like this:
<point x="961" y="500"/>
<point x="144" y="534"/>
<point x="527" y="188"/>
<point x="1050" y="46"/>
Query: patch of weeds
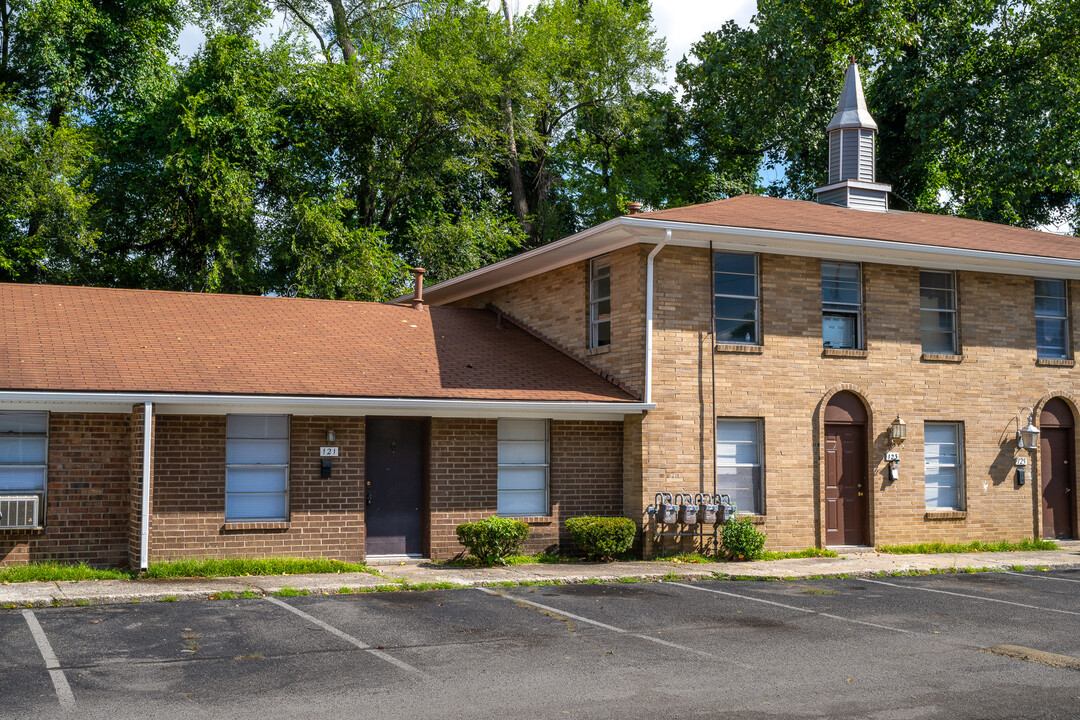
<point x="628" y="580"/>
<point x="820" y="591"/>
<point x="236" y="567"/>
<point x="590" y="581"/>
<point x="1041" y="568"/>
<point x="1017" y="568"/>
<point x="1025" y="545"/>
<point x="249" y="594"/>
<point x="290" y="592"/>
<point x="169" y="598"/>
<point x="671" y="577"/>
<point x="540" y="558"/>
<point x="389" y="588"/>
<point x="345" y="591"/>
<point x="224" y="595"/>
<point x="57" y="602"/>
<point x="793" y="554"/>
<point x="51" y="571"/>
<point x="82" y="602"/>
<point x="534" y="583"/>
<point x="436" y="585"/>
<point x="8" y="606"/>
<point x="689" y="558"/>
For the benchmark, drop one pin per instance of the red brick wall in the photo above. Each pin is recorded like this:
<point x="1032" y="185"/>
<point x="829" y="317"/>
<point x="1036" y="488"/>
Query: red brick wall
<point x="325" y="515"/>
<point x="586" y="478"/>
<point x="86" y="517"/>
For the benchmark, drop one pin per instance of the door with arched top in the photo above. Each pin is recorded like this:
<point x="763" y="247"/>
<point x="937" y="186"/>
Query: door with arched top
<point x="1056" y="470"/>
<point x="847" y="486"/>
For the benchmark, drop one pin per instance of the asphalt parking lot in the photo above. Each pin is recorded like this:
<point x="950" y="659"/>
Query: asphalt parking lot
<point x="909" y="647"/>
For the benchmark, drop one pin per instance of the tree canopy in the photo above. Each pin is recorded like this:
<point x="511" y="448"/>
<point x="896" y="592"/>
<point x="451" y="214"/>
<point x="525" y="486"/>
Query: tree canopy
<point x="372" y="135"/>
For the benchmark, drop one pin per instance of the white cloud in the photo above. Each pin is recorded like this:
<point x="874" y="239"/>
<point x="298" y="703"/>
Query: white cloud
<point x="683" y="22"/>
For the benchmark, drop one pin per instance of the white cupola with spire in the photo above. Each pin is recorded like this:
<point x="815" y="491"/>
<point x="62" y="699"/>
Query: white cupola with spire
<point x="852" y="163"/>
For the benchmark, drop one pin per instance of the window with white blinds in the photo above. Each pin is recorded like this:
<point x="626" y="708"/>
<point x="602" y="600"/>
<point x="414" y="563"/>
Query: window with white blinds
<point x="257" y="468"/>
<point x="24" y="452"/>
<point x="943" y="466"/>
<point x="523" y="467"/>
<point x="738" y="463"/>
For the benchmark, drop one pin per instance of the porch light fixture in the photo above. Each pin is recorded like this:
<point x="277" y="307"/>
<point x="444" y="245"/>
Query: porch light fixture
<point x="1027" y="438"/>
<point x="898" y="431"/>
<point x="330" y="436"/>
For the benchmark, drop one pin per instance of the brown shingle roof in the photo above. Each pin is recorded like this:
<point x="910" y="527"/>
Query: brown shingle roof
<point x="96" y="339"/>
<point x="764" y="213"/>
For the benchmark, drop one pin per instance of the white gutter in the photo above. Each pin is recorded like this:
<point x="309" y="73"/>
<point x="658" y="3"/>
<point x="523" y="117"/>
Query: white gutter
<point x="220" y="403"/>
<point x="649" y="315"/>
<point x="148" y="443"/>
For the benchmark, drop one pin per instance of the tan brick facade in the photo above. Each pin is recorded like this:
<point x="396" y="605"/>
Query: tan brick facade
<point x="788" y="380"/>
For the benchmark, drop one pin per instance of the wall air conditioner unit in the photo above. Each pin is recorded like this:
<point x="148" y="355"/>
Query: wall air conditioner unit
<point x="19" y="512"/>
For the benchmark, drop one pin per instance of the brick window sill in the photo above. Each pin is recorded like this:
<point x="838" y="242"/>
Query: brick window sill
<point x="756" y="519"/>
<point x="248" y="526"/>
<point x="945" y="515"/>
<point x="603" y="349"/>
<point x="936" y="357"/>
<point x="1055" y="362"/>
<point x="736" y="348"/>
<point x="532" y="519"/>
<point x="844" y="352"/>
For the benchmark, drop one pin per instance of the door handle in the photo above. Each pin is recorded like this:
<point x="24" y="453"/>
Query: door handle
<point x="860" y="494"/>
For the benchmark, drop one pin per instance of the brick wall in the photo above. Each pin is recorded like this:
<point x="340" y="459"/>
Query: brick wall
<point x="325" y="515"/>
<point x="586" y="478"/>
<point x="86" y="516"/>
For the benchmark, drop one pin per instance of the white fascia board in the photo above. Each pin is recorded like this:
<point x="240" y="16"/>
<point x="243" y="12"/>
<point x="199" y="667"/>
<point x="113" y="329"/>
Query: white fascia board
<point x="834" y="247"/>
<point x="194" y="404"/>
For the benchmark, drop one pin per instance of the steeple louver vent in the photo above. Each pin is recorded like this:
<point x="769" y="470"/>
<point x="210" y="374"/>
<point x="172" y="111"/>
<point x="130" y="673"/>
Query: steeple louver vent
<point x="852" y="167"/>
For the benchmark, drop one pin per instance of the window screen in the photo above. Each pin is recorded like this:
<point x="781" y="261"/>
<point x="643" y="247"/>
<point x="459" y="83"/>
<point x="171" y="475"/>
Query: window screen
<point x="523" y="467"/>
<point x="24" y="451"/>
<point x="257" y="468"/>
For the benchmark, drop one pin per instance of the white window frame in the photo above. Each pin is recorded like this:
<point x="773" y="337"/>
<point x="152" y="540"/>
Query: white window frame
<point x="44" y="492"/>
<point x="756" y="297"/>
<point x="953" y="313"/>
<point x="759" y="442"/>
<point x="546" y="466"/>
<point x="286" y="465"/>
<point x="1064" y="318"/>
<point x="961" y="495"/>
<point x="595" y="320"/>
<point x="844" y="309"/>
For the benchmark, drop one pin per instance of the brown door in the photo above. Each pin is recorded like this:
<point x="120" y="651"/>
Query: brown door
<point x="845" y="485"/>
<point x="394" y="486"/>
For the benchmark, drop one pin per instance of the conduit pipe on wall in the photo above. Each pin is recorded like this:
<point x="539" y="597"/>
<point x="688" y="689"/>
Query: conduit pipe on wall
<point x="144" y="529"/>
<point x="649" y="314"/>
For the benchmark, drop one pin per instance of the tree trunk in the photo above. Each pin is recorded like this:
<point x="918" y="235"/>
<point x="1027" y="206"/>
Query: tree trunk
<point x="517" y="184"/>
<point x="341" y="29"/>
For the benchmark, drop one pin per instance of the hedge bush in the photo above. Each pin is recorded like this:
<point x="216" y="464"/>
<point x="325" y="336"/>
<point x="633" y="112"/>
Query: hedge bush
<point x="602" y="538"/>
<point x="741" y="538"/>
<point x="489" y="541"/>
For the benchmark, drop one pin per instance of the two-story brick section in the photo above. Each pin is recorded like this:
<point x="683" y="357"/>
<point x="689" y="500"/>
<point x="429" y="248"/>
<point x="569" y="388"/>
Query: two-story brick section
<point x="784" y="343"/>
<point x="850" y="375"/>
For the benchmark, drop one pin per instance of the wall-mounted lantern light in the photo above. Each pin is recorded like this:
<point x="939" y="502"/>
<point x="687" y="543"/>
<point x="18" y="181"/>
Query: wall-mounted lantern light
<point x="330" y="436"/>
<point x="1028" y="438"/>
<point x="898" y="431"/>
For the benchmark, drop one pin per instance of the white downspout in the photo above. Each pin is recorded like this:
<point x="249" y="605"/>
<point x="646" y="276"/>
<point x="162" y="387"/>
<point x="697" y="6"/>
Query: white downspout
<point x="649" y="314"/>
<point x="148" y="441"/>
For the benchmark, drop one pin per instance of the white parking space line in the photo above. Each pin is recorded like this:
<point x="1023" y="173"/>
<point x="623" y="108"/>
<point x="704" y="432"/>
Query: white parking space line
<point x="59" y="680"/>
<point x="605" y="626"/>
<point x="972" y="597"/>
<point x="794" y="607"/>
<point x="1039" y="577"/>
<point x="382" y="655"/>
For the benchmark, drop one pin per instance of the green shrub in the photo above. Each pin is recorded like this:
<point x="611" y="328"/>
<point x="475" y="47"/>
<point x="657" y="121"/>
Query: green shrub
<point x="741" y="538"/>
<point x="602" y="538"/>
<point x="489" y="541"/>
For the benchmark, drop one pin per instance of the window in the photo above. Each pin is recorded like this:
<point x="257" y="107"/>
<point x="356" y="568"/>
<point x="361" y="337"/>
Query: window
<point x="257" y="468"/>
<point x="735" y="286"/>
<point x="1051" y="319"/>
<point x="600" y="302"/>
<point x="738" y="463"/>
<point x="937" y="301"/>
<point x="943" y="466"/>
<point x="24" y="448"/>
<point x="523" y="467"/>
<point x="841" y="305"/>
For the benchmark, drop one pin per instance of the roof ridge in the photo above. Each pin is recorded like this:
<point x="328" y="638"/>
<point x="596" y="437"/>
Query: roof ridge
<point x="521" y="325"/>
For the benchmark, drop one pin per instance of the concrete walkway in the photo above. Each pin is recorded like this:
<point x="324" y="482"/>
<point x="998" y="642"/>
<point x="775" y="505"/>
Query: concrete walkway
<point x="99" y="592"/>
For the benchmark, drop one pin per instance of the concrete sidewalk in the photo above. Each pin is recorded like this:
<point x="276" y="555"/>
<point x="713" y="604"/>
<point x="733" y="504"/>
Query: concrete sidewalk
<point x="100" y="592"/>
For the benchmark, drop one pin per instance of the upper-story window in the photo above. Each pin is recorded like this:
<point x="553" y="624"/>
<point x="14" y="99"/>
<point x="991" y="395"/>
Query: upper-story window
<point x="1051" y="319"/>
<point x="737" y="304"/>
<point x="600" y="301"/>
<point x="937" y="302"/>
<point x="841" y="305"/>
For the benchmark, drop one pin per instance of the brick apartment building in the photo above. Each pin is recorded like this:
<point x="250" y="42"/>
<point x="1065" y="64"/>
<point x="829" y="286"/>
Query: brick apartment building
<point x="763" y="348"/>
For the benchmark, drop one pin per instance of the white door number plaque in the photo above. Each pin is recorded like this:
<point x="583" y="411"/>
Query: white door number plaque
<point x="328" y="452"/>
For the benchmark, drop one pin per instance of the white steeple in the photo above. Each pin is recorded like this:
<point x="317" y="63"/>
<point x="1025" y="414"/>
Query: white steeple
<point x="852" y="165"/>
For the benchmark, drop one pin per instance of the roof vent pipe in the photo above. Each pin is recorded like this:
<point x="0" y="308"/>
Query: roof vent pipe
<point x="633" y="208"/>
<point x="418" y="293"/>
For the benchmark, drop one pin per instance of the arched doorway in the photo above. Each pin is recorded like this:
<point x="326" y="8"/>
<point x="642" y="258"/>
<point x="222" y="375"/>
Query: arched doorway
<point x="1056" y="470"/>
<point x="846" y="483"/>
